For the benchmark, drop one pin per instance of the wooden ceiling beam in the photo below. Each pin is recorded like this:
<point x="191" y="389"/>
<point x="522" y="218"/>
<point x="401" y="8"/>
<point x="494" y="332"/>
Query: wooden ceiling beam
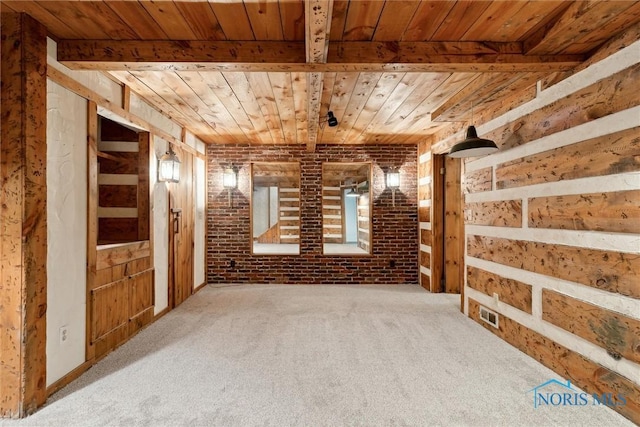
<point x="113" y="55"/>
<point x="317" y="29"/>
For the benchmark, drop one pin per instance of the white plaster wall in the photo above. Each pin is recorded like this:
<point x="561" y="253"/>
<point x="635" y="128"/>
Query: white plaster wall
<point x="199" y="229"/>
<point x="606" y="241"/>
<point x="160" y="215"/>
<point x="95" y="80"/>
<point x="66" y="229"/>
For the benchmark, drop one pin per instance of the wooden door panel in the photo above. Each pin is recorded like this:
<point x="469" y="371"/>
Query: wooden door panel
<point x="109" y="308"/>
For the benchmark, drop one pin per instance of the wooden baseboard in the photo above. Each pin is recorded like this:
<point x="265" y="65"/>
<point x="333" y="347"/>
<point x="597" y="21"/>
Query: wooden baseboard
<point x="199" y="288"/>
<point x="71" y="376"/>
<point x="162" y="313"/>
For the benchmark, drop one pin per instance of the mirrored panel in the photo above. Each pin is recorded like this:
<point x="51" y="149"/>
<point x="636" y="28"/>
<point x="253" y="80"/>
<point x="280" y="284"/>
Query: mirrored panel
<point x="275" y="208"/>
<point x="346" y="208"/>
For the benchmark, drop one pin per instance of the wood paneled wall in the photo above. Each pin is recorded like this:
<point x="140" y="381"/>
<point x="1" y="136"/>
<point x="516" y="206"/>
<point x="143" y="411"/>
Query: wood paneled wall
<point x="552" y="229"/>
<point x="23" y="228"/>
<point x="121" y="300"/>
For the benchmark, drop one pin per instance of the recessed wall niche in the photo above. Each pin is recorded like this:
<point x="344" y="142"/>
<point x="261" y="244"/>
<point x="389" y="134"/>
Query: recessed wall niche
<point x="123" y="183"/>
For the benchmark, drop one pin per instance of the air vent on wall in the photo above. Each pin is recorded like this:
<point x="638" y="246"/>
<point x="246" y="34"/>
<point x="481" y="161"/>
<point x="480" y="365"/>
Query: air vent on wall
<point x="489" y="316"/>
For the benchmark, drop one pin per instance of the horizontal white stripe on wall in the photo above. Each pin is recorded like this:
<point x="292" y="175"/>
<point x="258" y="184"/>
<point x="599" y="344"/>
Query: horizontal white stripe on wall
<point x="424" y="203"/>
<point x="117" y="179"/>
<point x="290" y="236"/>
<point x="424" y="157"/>
<point x="608" y="300"/>
<point x="425" y="180"/>
<point x="332" y="216"/>
<point x="331" y="235"/>
<point x="289" y="218"/>
<point x="289" y="227"/>
<point x="289" y="190"/>
<point x="596" y="184"/>
<point x="117" y="212"/>
<point x="331" y="188"/>
<point x="606" y="125"/>
<point x="289" y="199"/>
<point x="425" y="248"/>
<point x="425" y="226"/>
<point x="338" y="207"/>
<point x="559" y="335"/>
<point x="289" y="208"/>
<point x="331" y="197"/>
<point x="617" y="242"/>
<point x="363" y="230"/>
<point x="333" y="226"/>
<point x="119" y="146"/>
<point x="425" y="270"/>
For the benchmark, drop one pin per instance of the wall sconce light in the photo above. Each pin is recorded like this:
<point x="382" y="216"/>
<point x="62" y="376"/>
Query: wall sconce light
<point x="169" y="167"/>
<point x="393" y="182"/>
<point x="230" y="181"/>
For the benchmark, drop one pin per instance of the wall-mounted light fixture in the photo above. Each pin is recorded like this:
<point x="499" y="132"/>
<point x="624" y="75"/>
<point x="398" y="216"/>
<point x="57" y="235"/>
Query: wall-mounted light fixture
<point x="393" y="182"/>
<point x="230" y="181"/>
<point x="169" y="167"/>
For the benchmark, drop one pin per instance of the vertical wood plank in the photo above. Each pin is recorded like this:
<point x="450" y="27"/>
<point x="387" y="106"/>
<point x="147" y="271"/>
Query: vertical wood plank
<point x="92" y="216"/>
<point x="23" y="230"/>
<point x="454" y="226"/>
<point x="143" y="186"/>
<point x="437" y="225"/>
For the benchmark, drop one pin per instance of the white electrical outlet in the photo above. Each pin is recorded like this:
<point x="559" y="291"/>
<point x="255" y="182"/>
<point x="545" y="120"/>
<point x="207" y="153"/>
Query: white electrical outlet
<point x="64" y="334"/>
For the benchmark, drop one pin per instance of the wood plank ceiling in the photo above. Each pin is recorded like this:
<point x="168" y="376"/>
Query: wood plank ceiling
<point x="267" y="72"/>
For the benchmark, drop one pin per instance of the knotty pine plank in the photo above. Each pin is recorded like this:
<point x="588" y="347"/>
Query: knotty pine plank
<point x="478" y="181"/>
<point x="232" y="17"/>
<point x="607" y="96"/>
<point x="138" y="19"/>
<point x="615" y="212"/>
<point x="23" y="229"/>
<point x="615" y="332"/>
<point x="605" y="155"/>
<point x="364" y="86"/>
<point x="202" y="20"/>
<point x="241" y="88"/>
<point x="513" y="292"/>
<point x="504" y="213"/>
<point x="615" y="272"/>
<point x="362" y="19"/>
<point x="265" y="20"/>
<point x="394" y="19"/>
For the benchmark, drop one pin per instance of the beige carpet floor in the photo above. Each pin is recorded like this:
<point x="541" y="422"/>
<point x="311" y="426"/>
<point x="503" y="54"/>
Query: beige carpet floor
<point x="268" y="355"/>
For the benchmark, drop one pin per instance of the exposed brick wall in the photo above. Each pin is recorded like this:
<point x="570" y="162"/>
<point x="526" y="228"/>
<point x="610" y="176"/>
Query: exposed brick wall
<point x="395" y="238"/>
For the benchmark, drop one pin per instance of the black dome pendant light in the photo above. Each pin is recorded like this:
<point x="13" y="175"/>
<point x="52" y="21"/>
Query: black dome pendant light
<point x="472" y="146"/>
